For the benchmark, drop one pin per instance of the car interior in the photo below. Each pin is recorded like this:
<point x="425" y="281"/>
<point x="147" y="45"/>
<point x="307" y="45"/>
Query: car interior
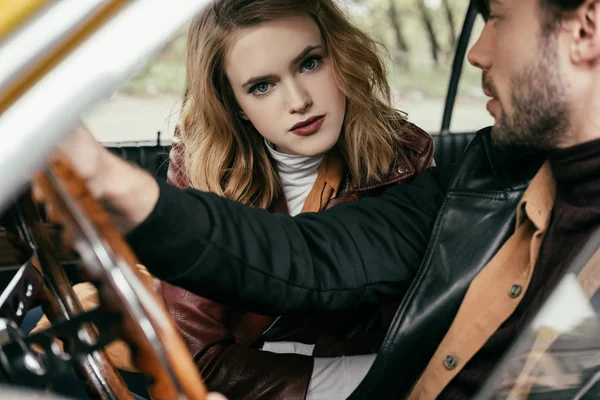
<point x="129" y="311"/>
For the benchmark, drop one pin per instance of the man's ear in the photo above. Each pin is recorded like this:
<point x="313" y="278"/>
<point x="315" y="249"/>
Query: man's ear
<point x="585" y="30"/>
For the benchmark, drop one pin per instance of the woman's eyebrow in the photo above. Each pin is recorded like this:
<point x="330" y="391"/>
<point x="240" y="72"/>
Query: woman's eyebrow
<point x="257" y="79"/>
<point x="304" y="53"/>
<point x="296" y="60"/>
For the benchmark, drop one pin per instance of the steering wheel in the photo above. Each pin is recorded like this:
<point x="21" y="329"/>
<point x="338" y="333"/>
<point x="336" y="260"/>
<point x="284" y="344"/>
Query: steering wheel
<point x="157" y="349"/>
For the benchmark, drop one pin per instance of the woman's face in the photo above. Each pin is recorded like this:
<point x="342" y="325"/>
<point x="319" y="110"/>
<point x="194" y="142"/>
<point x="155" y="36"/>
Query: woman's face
<point x="283" y="82"/>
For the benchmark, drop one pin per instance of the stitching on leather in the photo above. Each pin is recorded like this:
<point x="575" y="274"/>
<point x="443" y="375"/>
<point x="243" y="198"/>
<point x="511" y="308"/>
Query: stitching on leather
<point x="489" y="196"/>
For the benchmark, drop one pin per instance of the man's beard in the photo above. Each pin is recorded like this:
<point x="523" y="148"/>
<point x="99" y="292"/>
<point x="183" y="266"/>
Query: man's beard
<point x="540" y="109"/>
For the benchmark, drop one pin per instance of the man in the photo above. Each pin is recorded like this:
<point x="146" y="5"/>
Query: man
<point x="461" y="247"/>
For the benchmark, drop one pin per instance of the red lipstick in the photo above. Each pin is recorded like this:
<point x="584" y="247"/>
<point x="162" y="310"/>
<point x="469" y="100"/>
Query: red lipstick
<point x="309" y="126"/>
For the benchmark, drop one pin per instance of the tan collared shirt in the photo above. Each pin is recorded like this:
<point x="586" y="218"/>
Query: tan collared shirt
<point x="495" y="292"/>
<point x="327" y="185"/>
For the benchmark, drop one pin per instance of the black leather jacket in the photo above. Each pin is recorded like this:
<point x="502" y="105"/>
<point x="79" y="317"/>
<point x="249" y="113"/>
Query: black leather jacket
<point x="478" y="215"/>
<point x="422" y="242"/>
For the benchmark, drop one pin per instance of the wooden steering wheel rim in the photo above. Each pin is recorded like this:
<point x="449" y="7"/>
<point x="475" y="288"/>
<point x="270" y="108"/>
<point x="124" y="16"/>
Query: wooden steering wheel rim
<point x="110" y="265"/>
<point x="60" y="302"/>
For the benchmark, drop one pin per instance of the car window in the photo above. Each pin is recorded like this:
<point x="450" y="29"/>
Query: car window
<point x="469" y="112"/>
<point x="147" y="105"/>
<point x="420" y="38"/>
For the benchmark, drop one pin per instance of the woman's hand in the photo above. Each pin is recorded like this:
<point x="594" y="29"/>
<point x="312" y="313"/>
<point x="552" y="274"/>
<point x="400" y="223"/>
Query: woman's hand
<point x="118" y="351"/>
<point x="215" y="396"/>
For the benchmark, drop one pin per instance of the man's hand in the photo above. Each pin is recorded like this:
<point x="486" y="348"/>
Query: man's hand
<point x="87" y="157"/>
<point x="127" y="192"/>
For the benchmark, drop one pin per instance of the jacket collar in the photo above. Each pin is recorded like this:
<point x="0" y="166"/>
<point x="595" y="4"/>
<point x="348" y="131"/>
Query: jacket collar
<point x="401" y="170"/>
<point x="326" y="187"/>
<point x="332" y="171"/>
<point x="419" y="144"/>
<point x="332" y="180"/>
<point x="538" y="200"/>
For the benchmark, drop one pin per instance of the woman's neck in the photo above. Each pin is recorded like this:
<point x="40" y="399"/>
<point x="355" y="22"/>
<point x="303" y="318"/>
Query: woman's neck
<point x="297" y="174"/>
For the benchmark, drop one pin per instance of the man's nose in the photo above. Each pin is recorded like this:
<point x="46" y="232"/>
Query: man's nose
<point x="480" y="55"/>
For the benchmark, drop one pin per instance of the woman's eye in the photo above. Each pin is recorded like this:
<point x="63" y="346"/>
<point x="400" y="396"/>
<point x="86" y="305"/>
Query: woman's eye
<point x="260" y="89"/>
<point x="311" y="64"/>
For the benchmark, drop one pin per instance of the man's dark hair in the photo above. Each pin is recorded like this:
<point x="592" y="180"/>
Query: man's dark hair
<point x="554" y="9"/>
<point x="563" y="5"/>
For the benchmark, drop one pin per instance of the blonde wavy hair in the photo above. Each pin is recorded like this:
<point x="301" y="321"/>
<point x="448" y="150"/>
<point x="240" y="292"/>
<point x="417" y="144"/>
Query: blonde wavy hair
<point x="225" y="154"/>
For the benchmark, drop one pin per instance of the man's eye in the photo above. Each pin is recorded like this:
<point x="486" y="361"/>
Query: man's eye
<point x="492" y="16"/>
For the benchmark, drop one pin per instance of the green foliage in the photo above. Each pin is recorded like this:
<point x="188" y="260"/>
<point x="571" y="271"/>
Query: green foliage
<point x="413" y="72"/>
<point x="165" y="74"/>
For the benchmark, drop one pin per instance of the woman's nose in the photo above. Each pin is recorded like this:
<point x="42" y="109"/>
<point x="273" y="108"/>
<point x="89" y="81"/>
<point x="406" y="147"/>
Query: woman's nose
<point x="298" y="99"/>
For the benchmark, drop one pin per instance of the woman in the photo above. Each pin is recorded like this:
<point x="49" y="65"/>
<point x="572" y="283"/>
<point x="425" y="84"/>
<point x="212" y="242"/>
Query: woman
<point x="287" y="108"/>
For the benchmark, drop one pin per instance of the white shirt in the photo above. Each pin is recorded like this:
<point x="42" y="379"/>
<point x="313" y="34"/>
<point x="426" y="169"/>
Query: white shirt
<point x="332" y="378"/>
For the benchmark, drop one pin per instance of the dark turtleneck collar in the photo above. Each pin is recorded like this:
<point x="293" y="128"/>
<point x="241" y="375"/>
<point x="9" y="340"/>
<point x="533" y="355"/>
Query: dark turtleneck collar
<point x="513" y="165"/>
<point x="577" y="173"/>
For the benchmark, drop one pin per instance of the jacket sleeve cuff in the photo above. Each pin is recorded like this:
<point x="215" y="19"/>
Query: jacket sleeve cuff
<point x="155" y="241"/>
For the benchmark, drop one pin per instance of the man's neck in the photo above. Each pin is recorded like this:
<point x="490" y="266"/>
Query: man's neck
<point x="585" y="119"/>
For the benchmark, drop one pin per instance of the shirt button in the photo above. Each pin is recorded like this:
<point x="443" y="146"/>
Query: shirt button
<point x="515" y="291"/>
<point x="402" y="169"/>
<point x="450" y="362"/>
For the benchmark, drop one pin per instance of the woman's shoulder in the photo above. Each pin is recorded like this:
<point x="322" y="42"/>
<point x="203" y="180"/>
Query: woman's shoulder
<point x="414" y="139"/>
<point x="416" y="147"/>
<point x="414" y="154"/>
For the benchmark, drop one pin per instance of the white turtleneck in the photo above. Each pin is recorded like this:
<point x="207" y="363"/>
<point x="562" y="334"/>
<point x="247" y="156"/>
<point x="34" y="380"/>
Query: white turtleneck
<point x="297" y="174"/>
